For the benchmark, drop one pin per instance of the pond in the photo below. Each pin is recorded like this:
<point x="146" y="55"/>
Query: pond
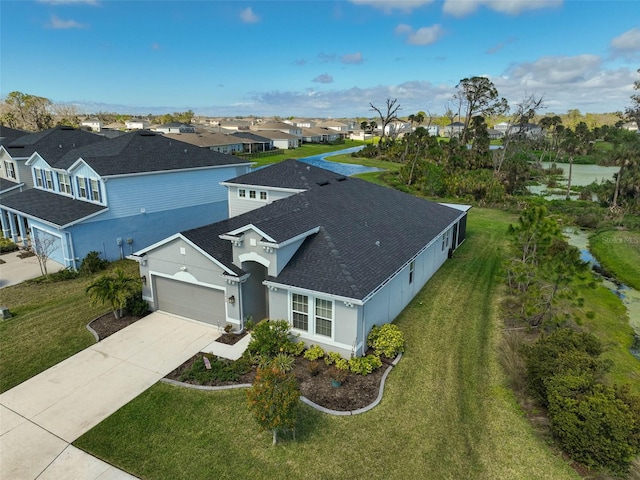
<point x="345" y="169"/>
<point x="630" y="297"/>
<point x="581" y="175"/>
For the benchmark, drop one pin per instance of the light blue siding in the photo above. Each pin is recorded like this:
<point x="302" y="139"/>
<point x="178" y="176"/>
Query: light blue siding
<point x="141" y="230"/>
<point x="154" y="193"/>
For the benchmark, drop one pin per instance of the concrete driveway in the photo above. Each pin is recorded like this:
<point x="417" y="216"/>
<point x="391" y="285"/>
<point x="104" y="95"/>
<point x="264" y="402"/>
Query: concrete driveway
<point x="17" y="270"/>
<point x="40" y="417"/>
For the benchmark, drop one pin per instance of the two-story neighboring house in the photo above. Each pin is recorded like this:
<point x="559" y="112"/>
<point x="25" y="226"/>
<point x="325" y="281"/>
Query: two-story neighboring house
<point x="93" y="124"/>
<point x="175" y="127"/>
<point x="116" y="195"/>
<point x="280" y="127"/>
<point x="9" y="174"/>
<point x="333" y="255"/>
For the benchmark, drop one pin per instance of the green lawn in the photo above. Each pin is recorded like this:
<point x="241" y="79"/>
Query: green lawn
<point x="446" y="412"/>
<point x="306" y="150"/>
<point x="619" y="253"/>
<point x="48" y="325"/>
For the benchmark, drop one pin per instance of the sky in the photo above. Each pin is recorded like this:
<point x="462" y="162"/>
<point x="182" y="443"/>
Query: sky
<point x="312" y="58"/>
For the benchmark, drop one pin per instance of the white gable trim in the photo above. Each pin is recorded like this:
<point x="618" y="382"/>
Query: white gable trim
<point x="34" y="159"/>
<point x="81" y="163"/>
<point x="175" y="236"/>
<point x="291" y="240"/>
<point x="250" y="226"/>
<point x="254" y="257"/>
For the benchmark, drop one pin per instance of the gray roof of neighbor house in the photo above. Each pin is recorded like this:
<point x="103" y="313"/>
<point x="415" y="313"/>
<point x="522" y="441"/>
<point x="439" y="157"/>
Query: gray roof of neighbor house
<point x="143" y="151"/>
<point x="52" y="144"/>
<point x="366" y="232"/>
<point x="254" y="137"/>
<point x="8" y="134"/>
<point x="56" y="209"/>
<point x="289" y="174"/>
<point x="6" y="184"/>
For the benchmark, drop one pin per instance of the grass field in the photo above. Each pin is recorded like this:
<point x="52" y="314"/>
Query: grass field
<point x="446" y="412"/>
<point x="619" y="253"/>
<point x="48" y="325"/>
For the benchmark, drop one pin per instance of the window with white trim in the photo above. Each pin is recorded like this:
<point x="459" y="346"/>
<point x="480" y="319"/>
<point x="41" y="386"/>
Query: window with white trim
<point x="48" y="178"/>
<point x="82" y="187"/>
<point x="324" y="317"/>
<point x="65" y="183"/>
<point x="95" y="190"/>
<point x="242" y="193"/>
<point x="320" y="322"/>
<point x="263" y="196"/>
<point x="37" y="175"/>
<point x="10" y="169"/>
<point x="300" y="311"/>
<point x="252" y="194"/>
<point x="412" y="268"/>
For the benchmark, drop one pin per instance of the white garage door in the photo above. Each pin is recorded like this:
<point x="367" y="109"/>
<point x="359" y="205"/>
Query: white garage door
<point x="190" y="301"/>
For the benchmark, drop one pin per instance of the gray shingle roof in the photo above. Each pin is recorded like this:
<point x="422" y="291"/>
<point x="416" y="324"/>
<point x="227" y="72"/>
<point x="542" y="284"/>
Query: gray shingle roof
<point x="51" y="207"/>
<point x="143" y="151"/>
<point x="289" y="174"/>
<point x="8" y="134"/>
<point x="52" y="144"/>
<point x="367" y="232"/>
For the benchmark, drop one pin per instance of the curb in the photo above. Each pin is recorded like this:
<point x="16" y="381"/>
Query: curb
<point x="304" y="399"/>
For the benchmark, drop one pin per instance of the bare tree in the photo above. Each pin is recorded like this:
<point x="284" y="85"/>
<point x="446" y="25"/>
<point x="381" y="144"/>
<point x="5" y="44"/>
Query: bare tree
<point x="518" y="124"/>
<point x="43" y="246"/>
<point x="386" y="117"/>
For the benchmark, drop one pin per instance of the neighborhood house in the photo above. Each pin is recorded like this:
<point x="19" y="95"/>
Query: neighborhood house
<point x="71" y="192"/>
<point x="333" y="255"/>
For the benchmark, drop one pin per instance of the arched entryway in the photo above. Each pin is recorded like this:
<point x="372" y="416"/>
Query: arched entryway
<point x="255" y="301"/>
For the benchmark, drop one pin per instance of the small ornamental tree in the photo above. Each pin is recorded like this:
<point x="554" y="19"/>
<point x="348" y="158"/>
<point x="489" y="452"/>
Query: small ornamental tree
<point x="113" y="289"/>
<point x="274" y="399"/>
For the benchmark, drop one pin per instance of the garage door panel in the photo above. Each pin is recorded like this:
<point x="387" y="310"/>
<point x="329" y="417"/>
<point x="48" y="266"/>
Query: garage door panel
<point x="191" y="301"/>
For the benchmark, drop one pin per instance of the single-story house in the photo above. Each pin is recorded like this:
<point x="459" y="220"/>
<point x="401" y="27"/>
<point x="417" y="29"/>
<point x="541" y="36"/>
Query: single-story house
<point x="281" y="140"/>
<point x="175" y="127"/>
<point x="332" y="255"/>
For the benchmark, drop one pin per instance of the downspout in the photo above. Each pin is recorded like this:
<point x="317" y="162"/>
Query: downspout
<point x="240" y="307"/>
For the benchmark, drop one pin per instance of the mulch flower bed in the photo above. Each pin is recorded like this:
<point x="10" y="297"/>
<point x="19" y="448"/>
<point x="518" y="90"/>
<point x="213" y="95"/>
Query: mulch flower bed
<point x="107" y="324"/>
<point x="356" y="391"/>
<point x="231" y="338"/>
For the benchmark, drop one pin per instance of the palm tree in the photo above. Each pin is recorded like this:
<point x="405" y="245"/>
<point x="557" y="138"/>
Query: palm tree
<point x="112" y="289"/>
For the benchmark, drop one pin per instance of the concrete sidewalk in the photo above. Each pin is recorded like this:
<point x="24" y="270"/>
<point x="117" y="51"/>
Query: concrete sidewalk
<point x="17" y="270"/>
<point x="40" y="417"/>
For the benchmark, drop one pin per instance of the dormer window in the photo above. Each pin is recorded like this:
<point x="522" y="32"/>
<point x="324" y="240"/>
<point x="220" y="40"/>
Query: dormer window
<point x="48" y="178"/>
<point x="65" y="183"/>
<point x="10" y="169"/>
<point x="82" y="187"/>
<point x="37" y="173"/>
<point x="95" y="190"/>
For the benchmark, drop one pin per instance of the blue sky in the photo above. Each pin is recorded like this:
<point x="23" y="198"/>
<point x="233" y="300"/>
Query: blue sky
<point x="317" y="58"/>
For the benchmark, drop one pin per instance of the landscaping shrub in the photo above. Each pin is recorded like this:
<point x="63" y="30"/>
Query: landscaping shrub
<point x="331" y="357"/>
<point x="592" y="423"/>
<point x="295" y="349"/>
<point x="314" y="353"/>
<point x="136" y="305"/>
<point x="386" y="340"/>
<point x="364" y="365"/>
<point x="270" y="337"/>
<point x="92" y="263"/>
<point x="562" y="351"/>
<point x="7" y="245"/>
<point x="221" y="370"/>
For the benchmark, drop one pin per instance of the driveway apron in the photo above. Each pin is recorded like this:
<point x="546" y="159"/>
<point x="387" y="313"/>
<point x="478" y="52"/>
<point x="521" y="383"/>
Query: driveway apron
<point x="40" y="417"/>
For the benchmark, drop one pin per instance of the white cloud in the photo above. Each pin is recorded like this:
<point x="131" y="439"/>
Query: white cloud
<point x="569" y="82"/>
<point x="324" y="78"/>
<point x="422" y="36"/>
<point x="389" y="5"/>
<point x="247" y="16"/>
<point x="461" y="8"/>
<point x="627" y="44"/>
<point x="351" y="58"/>
<point x="59" y="24"/>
